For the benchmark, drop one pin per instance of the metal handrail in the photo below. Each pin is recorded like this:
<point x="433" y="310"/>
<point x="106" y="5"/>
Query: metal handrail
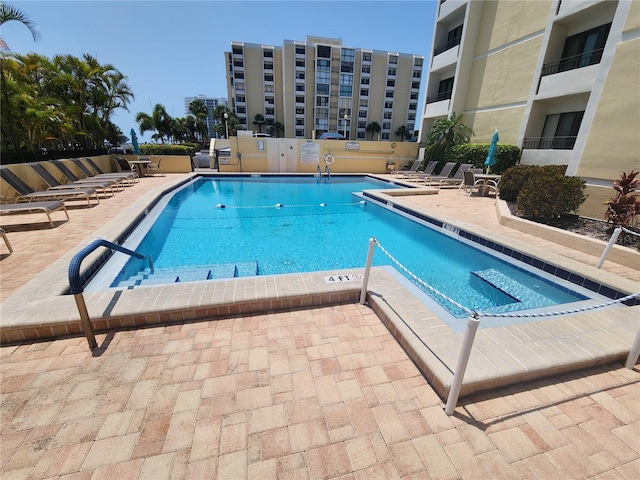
<point x="571" y="63"/>
<point x="76" y="286"/>
<point x="328" y="171"/>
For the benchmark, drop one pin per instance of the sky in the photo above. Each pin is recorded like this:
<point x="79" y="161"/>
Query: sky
<point x="170" y="50"/>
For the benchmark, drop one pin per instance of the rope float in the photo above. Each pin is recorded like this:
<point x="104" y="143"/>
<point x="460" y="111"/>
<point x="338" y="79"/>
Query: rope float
<point x="281" y="205"/>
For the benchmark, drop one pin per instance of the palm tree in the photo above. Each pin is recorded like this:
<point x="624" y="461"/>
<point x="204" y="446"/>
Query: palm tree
<point x="259" y="121"/>
<point x="373" y="128"/>
<point x="9" y="13"/>
<point x="403" y="132"/>
<point x="200" y="111"/>
<point x="447" y="132"/>
<point x="159" y="120"/>
<point x="277" y="127"/>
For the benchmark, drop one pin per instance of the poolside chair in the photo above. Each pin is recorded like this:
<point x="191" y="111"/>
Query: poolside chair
<point x="34" y="207"/>
<point x="154" y="168"/>
<point x="122" y="179"/>
<point x="427" y="172"/>
<point x="454" y="180"/>
<point x="69" y="178"/>
<point x="130" y="173"/>
<point x="27" y="194"/>
<point x="444" y="173"/>
<point x="54" y="184"/>
<point x="72" y="177"/>
<point x="126" y="167"/>
<point x="6" y="240"/>
<point x="414" y="168"/>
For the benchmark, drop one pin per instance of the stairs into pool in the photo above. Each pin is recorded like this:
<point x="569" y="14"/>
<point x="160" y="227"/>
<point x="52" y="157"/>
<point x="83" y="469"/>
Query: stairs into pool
<point x="193" y="274"/>
<point x="510" y="287"/>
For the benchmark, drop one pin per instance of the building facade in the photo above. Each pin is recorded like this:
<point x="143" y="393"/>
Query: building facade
<point x="558" y="78"/>
<point x="211" y="103"/>
<point x="305" y="88"/>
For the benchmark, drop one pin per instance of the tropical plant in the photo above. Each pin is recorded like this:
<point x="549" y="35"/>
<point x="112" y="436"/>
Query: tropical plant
<point x="277" y="128"/>
<point x="200" y="111"/>
<point x="373" y="128"/>
<point x="159" y="121"/>
<point x="9" y="13"/>
<point x="403" y="132"/>
<point x="447" y="132"/>
<point x="258" y="120"/>
<point x="623" y="209"/>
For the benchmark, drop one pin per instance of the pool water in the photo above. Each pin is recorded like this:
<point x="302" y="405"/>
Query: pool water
<point x="240" y="226"/>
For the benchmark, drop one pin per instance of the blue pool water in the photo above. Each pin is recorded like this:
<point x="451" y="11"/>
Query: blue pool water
<point x="239" y="226"/>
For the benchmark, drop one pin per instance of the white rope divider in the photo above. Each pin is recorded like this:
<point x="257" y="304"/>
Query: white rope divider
<point x="281" y="205"/>
<point x="626" y="230"/>
<point x="475" y="314"/>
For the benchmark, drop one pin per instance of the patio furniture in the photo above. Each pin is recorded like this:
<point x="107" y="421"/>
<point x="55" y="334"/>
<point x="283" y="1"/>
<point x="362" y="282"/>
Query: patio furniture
<point x="34" y="207"/>
<point x="153" y="168"/>
<point x="27" y="194"/>
<point x="123" y="179"/>
<point x="6" y="240"/>
<point x="454" y="180"/>
<point x="427" y="172"/>
<point x="73" y="178"/>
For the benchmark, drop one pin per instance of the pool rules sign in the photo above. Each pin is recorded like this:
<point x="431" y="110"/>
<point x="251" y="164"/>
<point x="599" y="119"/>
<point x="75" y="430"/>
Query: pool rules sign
<point x="352" y="277"/>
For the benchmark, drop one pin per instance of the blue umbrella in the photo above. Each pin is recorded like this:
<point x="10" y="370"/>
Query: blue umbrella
<point x="134" y="141"/>
<point x="491" y="157"/>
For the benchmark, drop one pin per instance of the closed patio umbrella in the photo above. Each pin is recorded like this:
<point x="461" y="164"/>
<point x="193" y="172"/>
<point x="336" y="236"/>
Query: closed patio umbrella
<point x="491" y="157"/>
<point x="134" y="142"/>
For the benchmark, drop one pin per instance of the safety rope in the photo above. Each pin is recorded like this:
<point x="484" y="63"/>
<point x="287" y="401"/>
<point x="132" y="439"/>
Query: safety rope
<point x="475" y="314"/>
<point x="630" y="232"/>
<point x="281" y="205"/>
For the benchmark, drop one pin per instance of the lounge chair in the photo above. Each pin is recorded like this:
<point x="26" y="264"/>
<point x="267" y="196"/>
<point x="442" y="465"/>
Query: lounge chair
<point x="444" y="173"/>
<point x="54" y="184"/>
<point x="6" y="240"/>
<point x="414" y="168"/>
<point x="34" y="207"/>
<point x="427" y="172"/>
<point x="129" y="172"/>
<point x="27" y="194"/>
<point x="454" y="180"/>
<point x="122" y="179"/>
<point x="72" y="177"/>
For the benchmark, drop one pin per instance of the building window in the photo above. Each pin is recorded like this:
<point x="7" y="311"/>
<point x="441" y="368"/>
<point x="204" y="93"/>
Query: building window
<point x="300" y="50"/>
<point x="364" y="81"/>
<point x="269" y="111"/>
<point x="364" y="103"/>
<point x="348" y="55"/>
<point x="364" y="92"/>
<point x="241" y="110"/>
<point x="299" y="132"/>
<point x="366" y="69"/>
<point x="322" y="89"/>
<point x="346" y="79"/>
<point x="559" y="132"/>
<point x="386" y="125"/>
<point x="238" y="75"/>
<point x="346" y="90"/>
<point x="299" y="99"/>
<point x="322" y="123"/>
<point x="240" y="99"/>
<point x="389" y="94"/>
<point x="346" y="67"/>
<point x="362" y="114"/>
<point x="391" y="83"/>
<point x="418" y="62"/>
<point x="300" y="88"/>
<point x="580" y="50"/>
<point x="417" y="74"/>
<point x="238" y="63"/>
<point x="237" y="50"/>
<point x="239" y="86"/>
<point x="267" y="54"/>
<point x="323" y="66"/>
<point x="268" y="66"/>
<point x="299" y="111"/>
<point x="387" y="116"/>
<point x="385" y="136"/>
<point x="413" y="96"/>
<point x="300" y="121"/>
<point x="324" y="51"/>
<point x="299" y="62"/>
<point x="413" y="106"/>
<point x="323" y="77"/>
<point x="445" y="90"/>
<point x="269" y="101"/>
<point x="415" y="85"/>
<point x="366" y="57"/>
<point x="453" y="39"/>
<point x="391" y="72"/>
<point x="393" y="60"/>
<point x="268" y="89"/>
<point x="299" y="75"/>
<point x="322" y="101"/>
<point x="268" y="77"/>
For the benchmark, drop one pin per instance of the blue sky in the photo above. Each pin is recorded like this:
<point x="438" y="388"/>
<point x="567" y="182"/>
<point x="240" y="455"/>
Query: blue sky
<point x="175" y="49"/>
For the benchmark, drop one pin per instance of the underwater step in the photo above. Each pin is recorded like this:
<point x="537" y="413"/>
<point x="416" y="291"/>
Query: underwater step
<point x="247" y="269"/>
<point x="507" y="285"/>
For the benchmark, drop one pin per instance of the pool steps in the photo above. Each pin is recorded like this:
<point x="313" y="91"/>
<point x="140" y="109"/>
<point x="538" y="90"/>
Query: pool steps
<point x="509" y="286"/>
<point x="198" y="274"/>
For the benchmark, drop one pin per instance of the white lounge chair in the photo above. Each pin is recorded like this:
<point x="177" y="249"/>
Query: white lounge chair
<point x="34" y="207"/>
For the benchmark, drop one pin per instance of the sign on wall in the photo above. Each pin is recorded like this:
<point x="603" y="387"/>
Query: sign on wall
<point x="310" y="152"/>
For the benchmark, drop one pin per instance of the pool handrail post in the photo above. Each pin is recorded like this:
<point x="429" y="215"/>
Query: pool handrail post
<point x="463" y="360"/>
<point x="607" y="249"/>
<point x="85" y="322"/>
<point x="367" y="268"/>
<point x="634" y="353"/>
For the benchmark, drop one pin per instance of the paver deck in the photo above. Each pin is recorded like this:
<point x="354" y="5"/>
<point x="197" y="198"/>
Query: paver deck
<point x="321" y="392"/>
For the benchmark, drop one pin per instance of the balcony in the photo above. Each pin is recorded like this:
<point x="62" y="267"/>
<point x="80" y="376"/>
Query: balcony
<point x="439" y="97"/>
<point x="549" y="143"/>
<point x="450" y="44"/>
<point x="571" y="63"/>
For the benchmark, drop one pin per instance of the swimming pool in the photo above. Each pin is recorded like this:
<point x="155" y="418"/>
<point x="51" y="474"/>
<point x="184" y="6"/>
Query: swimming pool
<point x="217" y="227"/>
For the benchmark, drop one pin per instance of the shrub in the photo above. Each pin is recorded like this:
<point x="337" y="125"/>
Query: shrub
<point x="476" y="154"/>
<point x="166" y="149"/>
<point x="623" y="208"/>
<point x="519" y="176"/>
<point x="547" y="194"/>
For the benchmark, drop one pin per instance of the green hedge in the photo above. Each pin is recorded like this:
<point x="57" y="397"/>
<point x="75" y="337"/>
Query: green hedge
<point x="166" y="149"/>
<point x="475" y="154"/>
<point x="517" y="177"/>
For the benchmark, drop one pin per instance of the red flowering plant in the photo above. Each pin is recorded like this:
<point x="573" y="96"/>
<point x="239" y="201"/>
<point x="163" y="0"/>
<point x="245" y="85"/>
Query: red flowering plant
<point x="623" y="210"/>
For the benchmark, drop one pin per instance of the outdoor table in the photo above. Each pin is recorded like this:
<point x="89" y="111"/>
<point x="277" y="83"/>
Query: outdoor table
<point x="486" y="177"/>
<point x="141" y="166"/>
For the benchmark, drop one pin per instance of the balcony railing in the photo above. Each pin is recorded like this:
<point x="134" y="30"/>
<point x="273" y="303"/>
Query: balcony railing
<point x="443" y="48"/>
<point x="549" y="143"/>
<point x="571" y="63"/>
<point x="439" y="97"/>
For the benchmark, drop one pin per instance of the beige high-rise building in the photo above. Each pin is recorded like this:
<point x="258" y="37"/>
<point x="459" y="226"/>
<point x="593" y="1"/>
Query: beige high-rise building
<point x="558" y="78"/>
<point x="318" y="85"/>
